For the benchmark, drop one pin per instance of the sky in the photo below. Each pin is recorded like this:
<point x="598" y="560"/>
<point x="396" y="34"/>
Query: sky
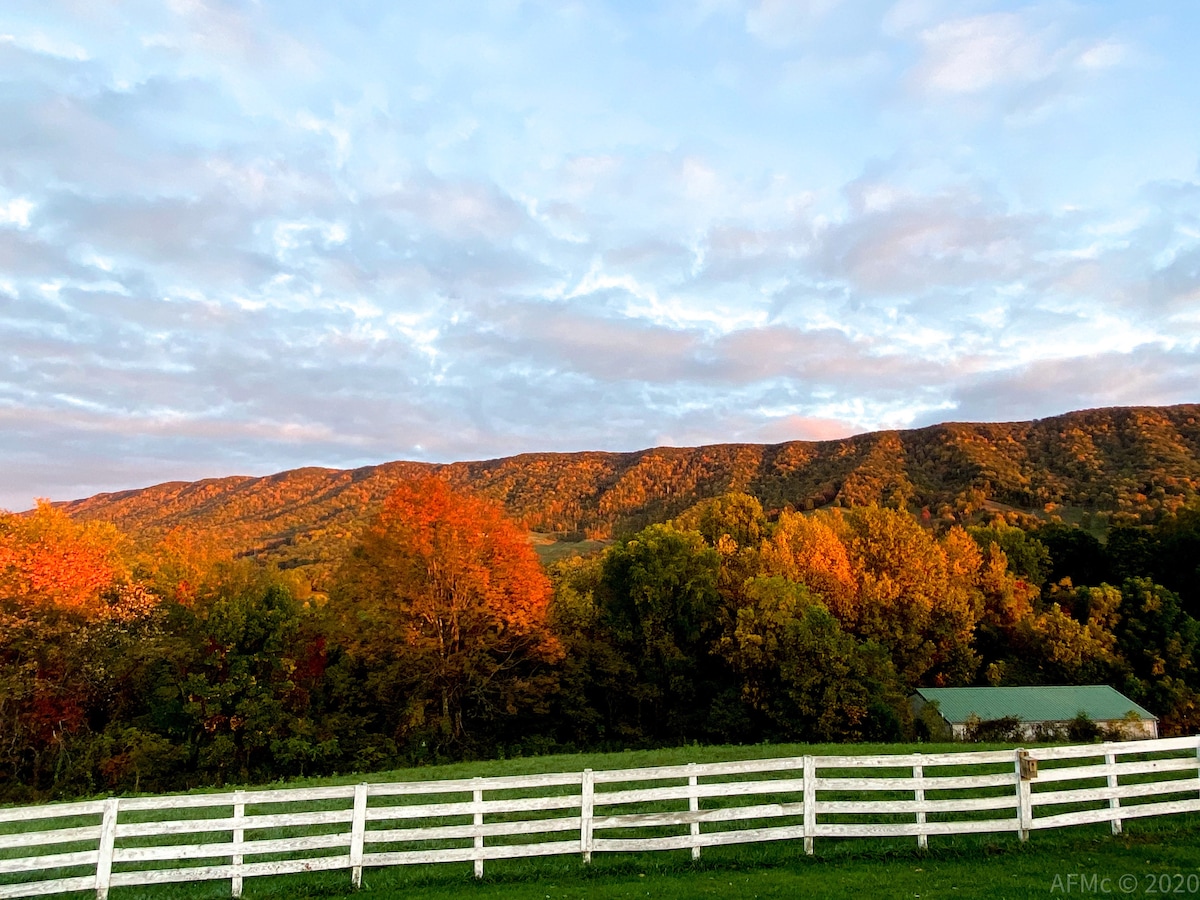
<point x="238" y="238"/>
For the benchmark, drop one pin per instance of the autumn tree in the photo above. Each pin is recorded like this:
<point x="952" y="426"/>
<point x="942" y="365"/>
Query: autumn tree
<point x="808" y="550"/>
<point x="183" y="564"/>
<point x="1007" y="598"/>
<point x="67" y="608"/>
<point x="47" y="560"/>
<point x="443" y="606"/>
<point x="964" y="569"/>
<point x="905" y="601"/>
<point x="1007" y="602"/>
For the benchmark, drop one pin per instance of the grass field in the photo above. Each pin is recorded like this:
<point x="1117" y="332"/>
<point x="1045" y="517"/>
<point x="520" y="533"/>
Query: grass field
<point x="550" y="549"/>
<point x="1161" y="856"/>
<point x="630" y="759"/>
<point x="996" y="868"/>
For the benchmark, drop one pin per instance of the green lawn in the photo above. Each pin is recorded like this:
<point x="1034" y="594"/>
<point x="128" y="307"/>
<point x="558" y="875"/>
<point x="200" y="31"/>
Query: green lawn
<point x="632" y="759"/>
<point x="997" y="868"/>
<point x="551" y="550"/>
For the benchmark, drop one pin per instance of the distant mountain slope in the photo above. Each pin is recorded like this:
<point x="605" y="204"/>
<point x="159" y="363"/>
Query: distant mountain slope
<point x="1135" y="460"/>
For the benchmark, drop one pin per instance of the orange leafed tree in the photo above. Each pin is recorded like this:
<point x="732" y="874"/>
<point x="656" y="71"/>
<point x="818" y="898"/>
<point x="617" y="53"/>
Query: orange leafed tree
<point x="914" y="601"/>
<point x="49" y="561"/>
<point x="450" y="592"/>
<point x="808" y="550"/>
<point x="62" y="585"/>
<point x="182" y="562"/>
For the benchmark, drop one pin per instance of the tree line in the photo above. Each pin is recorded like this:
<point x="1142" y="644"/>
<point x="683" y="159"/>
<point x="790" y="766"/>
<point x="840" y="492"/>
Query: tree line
<point x="147" y="668"/>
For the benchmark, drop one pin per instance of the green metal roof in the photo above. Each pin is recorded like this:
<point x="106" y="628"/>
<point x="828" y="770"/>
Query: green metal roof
<point x="1033" y="704"/>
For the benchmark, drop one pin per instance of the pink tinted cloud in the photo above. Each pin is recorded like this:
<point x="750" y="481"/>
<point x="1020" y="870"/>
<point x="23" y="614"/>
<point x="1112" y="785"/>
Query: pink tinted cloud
<point x="803" y="428"/>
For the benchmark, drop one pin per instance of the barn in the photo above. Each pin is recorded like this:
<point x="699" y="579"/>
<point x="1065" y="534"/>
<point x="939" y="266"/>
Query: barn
<point x="1030" y="713"/>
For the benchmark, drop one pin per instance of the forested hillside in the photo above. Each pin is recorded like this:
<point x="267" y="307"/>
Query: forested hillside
<point x="126" y="666"/>
<point x="148" y="641"/>
<point x="1136" y="462"/>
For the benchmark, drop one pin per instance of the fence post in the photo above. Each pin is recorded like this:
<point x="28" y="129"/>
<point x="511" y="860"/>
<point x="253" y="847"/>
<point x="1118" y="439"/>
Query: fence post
<point x="1024" y="798"/>
<point x="239" y="835"/>
<point x="1197" y="739"/>
<point x="1114" y="802"/>
<point x="358" y="834"/>
<point x="477" y="796"/>
<point x="919" y="795"/>
<point x="810" y="803"/>
<point x="694" y="807"/>
<point x="587" y="809"/>
<point x="108" y="838"/>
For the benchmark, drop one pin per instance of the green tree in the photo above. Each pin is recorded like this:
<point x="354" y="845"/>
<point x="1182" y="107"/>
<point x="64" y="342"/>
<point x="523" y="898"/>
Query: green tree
<point x="804" y="677"/>
<point x="593" y="675"/>
<point x="1133" y="552"/>
<point x="1027" y="557"/>
<point x="1178" y="558"/>
<point x="734" y="525"/>
<point x="659" y="600"/>
<point x="224" y="684"/>
<point x="737" y="516"/>
<point x="1161" y="644"/>
<point x="1075" y="554"/>
<point x="1058" y="648"/>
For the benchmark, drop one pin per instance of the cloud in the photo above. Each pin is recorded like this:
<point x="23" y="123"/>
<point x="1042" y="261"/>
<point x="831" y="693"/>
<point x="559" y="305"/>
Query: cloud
<point x="1032" y="62"/>
<point x="16" y="212"/>
<point x="227" y="34"/>
<point x="965" y="56"/>
<point x="1148" y="375"/>
<point x="781" y="22"/>
<point x="923" y="242"/>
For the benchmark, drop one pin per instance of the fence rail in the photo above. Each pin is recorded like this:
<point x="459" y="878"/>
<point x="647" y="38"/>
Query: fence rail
<point x="97" y="845"/>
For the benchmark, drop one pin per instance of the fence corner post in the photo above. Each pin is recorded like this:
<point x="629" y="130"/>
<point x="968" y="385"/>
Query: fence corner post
<point x="108" y="838"/>
<point x="1024" y="798"/>
<point x="918" y="771"/>
<point x="587" y="810"/>
<point x="358" y="834"/>
<point x="810" y="804"/>
<point x="239" y="836"/>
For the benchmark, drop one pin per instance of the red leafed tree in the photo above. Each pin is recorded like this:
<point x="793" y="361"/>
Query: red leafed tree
<point x="445" y="603"/>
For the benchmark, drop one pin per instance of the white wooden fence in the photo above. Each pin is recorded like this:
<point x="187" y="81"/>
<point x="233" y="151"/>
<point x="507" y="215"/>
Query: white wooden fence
<point x="96" y="845"/>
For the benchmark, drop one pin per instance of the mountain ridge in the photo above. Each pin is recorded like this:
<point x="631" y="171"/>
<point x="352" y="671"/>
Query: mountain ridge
<point x="1132" y="461"/>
